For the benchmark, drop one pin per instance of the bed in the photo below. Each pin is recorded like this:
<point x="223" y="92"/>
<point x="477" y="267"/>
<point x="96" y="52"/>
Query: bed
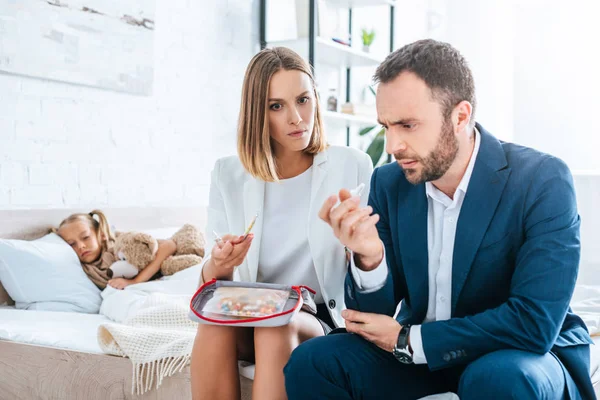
<point x="55" y="355"/>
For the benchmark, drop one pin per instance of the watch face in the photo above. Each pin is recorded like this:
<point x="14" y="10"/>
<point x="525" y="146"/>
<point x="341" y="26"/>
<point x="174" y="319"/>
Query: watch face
<point x="402" y="355"/>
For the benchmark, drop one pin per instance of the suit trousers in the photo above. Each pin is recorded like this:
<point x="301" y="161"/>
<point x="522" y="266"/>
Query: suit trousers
<point x="345" y="366"/>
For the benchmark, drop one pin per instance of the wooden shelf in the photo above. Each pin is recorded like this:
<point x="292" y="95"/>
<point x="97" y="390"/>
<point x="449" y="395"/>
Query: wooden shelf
<point x="360" y="3"/>
<point x="348" y="120"/>
<point x="332" y="53"/>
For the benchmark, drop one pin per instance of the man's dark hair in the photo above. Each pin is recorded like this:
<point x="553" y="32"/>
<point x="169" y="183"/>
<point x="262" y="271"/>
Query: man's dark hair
<point x="441" y="66"/>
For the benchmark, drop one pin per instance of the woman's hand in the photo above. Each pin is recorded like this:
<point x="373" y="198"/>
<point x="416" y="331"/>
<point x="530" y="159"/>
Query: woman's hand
<point x="120" y="283"/>
<point x="226" y="255"/>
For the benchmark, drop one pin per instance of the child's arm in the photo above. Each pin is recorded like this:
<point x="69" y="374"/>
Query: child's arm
<point x="166" y="248"/>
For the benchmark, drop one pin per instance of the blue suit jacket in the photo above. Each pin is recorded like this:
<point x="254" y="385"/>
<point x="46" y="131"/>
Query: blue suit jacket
<point x="515" y="263"/>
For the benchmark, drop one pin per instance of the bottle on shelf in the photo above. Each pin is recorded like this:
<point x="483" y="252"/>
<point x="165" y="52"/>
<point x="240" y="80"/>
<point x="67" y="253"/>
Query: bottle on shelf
<point x="332" y="101"/>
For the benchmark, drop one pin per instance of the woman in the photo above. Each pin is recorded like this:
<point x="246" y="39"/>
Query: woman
<point x="285" y="171"/>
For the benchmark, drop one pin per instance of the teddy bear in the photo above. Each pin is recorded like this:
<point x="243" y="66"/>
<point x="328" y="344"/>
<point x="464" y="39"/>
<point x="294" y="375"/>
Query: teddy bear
<point x="135" y="250"/>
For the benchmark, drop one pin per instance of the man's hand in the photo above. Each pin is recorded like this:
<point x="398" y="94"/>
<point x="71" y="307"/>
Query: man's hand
<point x="355" y="228"/>
<point x="378" y="329"/>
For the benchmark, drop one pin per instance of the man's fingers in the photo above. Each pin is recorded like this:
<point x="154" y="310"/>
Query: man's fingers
<point x="353" y="327"/>
<point x="357" y="316"/>
<point x="365" y="225"/>
<point x="326" y="208"/>
<point x="344" y="194"/>
<point x="340" y="211"/>
<point x="350" y="219"/>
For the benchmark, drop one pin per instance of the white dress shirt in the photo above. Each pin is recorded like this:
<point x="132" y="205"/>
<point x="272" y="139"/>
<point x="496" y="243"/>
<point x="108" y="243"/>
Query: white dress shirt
<point x="442" y="217"/>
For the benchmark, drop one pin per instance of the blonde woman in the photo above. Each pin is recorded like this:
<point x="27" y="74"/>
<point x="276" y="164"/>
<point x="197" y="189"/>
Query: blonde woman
<point x="284" y="171"/>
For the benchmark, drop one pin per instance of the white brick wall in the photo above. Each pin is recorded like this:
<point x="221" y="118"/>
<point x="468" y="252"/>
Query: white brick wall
<point x="64" y="145"/>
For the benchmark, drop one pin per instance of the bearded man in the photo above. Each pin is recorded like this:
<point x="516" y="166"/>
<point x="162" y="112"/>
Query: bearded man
<point x="463" y="265"/>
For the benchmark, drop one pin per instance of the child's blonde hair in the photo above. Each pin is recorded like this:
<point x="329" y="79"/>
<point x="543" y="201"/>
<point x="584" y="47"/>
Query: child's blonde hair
<point x="100" y="226"/>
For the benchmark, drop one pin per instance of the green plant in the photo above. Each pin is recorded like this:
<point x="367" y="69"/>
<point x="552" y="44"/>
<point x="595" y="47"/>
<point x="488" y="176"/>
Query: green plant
<point x="368" y="37"/>
<point x="376" y="149"/>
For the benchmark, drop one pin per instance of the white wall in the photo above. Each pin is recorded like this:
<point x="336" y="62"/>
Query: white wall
<point x="483" y="32"/>
<point x="557" y="84"/>
<point x="63" y="145"/>
<point x="536" y="71"/>
<point x="556" y="91"/>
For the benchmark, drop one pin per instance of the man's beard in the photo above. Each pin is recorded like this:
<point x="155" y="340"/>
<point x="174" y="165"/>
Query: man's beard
<point x="435" y="165"/>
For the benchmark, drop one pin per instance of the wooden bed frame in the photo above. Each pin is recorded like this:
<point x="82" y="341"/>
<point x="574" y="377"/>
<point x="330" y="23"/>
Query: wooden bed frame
<point x="38" y="372"/>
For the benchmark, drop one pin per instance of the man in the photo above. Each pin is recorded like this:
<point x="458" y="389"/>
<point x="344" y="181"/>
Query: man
<point x="476" y="241"/>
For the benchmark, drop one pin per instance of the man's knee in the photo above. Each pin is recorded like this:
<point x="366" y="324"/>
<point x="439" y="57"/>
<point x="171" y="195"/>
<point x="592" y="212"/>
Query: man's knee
<point x="508" y="374"/>
<point x="305" y="358"/>
<point x="319" y="356"/>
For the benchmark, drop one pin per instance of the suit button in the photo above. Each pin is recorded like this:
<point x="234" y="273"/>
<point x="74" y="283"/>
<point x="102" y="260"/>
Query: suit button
<point x="332" y="304"/>
<point x="453" y="355"/>
<point x="447" y="357"/>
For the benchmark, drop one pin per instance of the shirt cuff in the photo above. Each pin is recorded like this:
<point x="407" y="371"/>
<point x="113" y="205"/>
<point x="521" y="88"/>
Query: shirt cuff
<point x="369" y="281"/>
<point x="416" y="343"/>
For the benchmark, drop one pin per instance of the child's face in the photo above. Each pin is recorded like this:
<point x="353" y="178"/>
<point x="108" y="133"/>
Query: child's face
<point x="82" y="238"/>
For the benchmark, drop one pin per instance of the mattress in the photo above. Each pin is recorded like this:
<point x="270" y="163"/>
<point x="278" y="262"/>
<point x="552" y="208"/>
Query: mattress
<point x="65" y="330"/>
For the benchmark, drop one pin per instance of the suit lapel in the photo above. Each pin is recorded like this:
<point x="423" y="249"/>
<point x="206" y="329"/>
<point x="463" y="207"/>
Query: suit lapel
<point x="412" y="228"/>
<point x="479" y="206"/>
<point x="254" y="196"/>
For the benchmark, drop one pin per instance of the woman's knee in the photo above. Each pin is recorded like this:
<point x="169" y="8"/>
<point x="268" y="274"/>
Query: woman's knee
<point x="215" y="334"/>
<point x="211" y="338"/>
<point x="275" y="337"/>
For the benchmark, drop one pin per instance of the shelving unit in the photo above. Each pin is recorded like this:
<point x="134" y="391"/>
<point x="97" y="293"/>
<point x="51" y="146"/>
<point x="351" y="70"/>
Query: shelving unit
<point x="586" y="172"/>
<point x="360" y="3"/>
<point x="325" y="51"/>
<point x="332" y="53"/>
<point x="348" y="120"/>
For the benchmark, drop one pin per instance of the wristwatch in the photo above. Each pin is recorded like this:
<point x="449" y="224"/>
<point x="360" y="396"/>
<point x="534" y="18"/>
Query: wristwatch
<point x="401" y="350"/>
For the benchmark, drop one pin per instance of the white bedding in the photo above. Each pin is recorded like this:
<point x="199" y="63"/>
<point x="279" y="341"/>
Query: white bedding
<point x="78" y="331"/>
<point x="65" y="330"/>
<point x="118" y="305"/>
<point x="586" y="304"/>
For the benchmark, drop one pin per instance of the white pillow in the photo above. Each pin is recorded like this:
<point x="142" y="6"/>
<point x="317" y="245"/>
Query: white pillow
<point x="45" y="274"/>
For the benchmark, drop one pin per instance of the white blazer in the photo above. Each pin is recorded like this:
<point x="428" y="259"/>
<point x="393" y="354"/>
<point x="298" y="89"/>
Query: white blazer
<point x="236" y="196"/>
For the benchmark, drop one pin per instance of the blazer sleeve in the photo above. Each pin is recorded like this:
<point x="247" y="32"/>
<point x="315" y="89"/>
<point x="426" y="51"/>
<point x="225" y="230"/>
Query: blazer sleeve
<point x="382" y="301"/>
<point x="216" y="214"/>
<point x="542" y="284"/>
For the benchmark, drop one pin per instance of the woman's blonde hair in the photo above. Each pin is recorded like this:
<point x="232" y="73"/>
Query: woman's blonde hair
<point x="254" y="139"/>
<point x="100" y="226"/>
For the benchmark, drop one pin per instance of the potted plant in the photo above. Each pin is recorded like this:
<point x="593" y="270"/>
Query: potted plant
<point x="376" y="149"/>
<point x="367" y="39"/>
